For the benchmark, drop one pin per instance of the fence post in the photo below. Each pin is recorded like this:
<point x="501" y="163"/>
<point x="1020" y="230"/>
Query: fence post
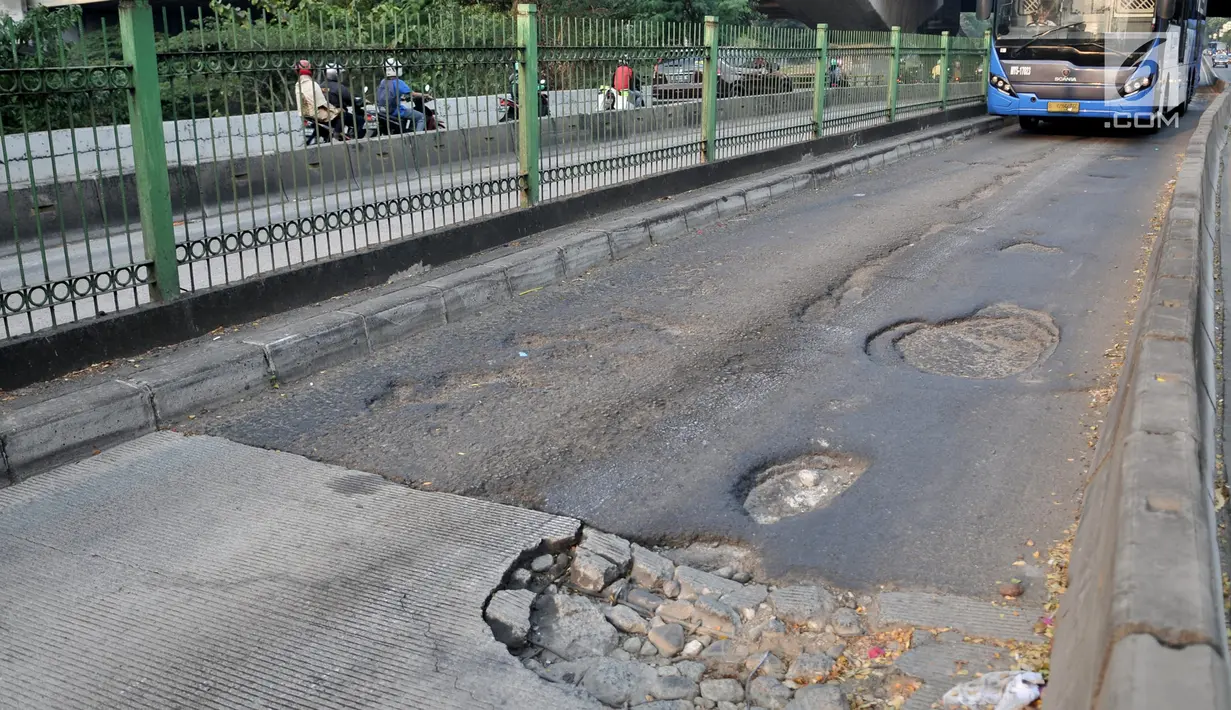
<point x="946" y="44"/>
<point x="528" y="152"/>
<point x="984" y="76"/>
<point x="709" y="91"/>
<point x="895" y="42"/>
<point x="149" y="147"/>
<point x="822" y="78"/>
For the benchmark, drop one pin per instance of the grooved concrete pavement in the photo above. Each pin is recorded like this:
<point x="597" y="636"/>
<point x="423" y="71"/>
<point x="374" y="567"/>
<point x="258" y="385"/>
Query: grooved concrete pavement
<point x="194" y="572"/>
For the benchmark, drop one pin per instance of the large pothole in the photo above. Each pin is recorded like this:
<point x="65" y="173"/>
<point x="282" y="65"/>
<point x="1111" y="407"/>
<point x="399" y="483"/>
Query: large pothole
<point x="801" y="485"/>
<point x="996" y="342"/>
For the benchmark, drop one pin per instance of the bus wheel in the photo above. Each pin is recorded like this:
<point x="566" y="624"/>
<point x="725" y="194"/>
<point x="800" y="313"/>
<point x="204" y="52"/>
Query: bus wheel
<point x="1028" y="123"/>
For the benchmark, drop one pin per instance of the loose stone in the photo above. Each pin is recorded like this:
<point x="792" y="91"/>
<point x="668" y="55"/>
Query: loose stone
<point x="509" y="615"/>
<point x="742" y="577"/>
<point x="695" y="583"/>
<point x="572" y="627"/>
<point x="819" y="697"/>
<point x="644" y="599"/>
<point x="692" y="670"/>
<point x="650" y="569"/>
<point x="811" y="667"/>
<point x="704" y="703"/>
<point x="668" y="639"/>
<point x="614" y="682"/>
<point x="626" y="620"/>
<point x="615" y="590"/>
<point x="613" y="548"/>
<point x="542" y="563"/>
<point x="520" y="579"/>
<point x="846" y="623"/>
<point x="772" y="666"/>
<point x="724" y="572"/>
<point x="671" y="588"/>
<point x="592" y="572"/>
<point x="769" y="693"/>
<point x="747" y="599"/>
<point x="676" y="611"/>
<point x="722" y="689"/>
<point x="673" y="687"/>
<point x="716" y="617"/>
<point x="649" y="649"/>
<point x="632" y="644"/>
<point x="803" y="605"/>
<point x="692" y="648"/>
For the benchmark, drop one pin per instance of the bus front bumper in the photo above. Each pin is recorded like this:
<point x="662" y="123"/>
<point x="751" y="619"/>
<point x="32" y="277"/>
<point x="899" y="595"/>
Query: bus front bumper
<point x="1002" y="104"/>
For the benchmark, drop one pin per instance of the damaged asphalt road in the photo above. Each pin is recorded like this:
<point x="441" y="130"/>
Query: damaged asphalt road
<point x="646" y="397"/>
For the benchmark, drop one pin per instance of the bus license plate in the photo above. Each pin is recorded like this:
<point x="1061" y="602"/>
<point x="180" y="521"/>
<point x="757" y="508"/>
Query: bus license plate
<point x="1063" y="107"/>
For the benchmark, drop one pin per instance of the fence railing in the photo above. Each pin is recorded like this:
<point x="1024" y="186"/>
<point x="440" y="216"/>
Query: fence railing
<point x="168" y="155"/>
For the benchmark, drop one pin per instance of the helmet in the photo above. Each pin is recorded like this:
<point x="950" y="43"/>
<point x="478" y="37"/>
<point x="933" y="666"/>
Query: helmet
<point x="392" y="67"/>
<point x="332" y="72"/>
<point x="303" y="66"/>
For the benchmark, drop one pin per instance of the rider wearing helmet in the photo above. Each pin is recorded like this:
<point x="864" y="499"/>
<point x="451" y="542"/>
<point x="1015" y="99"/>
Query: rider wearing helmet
<point x="625" y="79"/>
<point x="340" y="95"/>
<point x="392" y="91"/>
<point x="313" y="104"/>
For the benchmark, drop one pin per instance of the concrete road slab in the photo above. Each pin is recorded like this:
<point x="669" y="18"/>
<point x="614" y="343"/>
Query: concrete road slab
<point x="194" y="572"/>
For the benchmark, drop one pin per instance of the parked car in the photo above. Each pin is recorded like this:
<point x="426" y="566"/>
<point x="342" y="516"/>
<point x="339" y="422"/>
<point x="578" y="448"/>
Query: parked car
<point x="1221" y="59"/>
<point x="680" y="78"/>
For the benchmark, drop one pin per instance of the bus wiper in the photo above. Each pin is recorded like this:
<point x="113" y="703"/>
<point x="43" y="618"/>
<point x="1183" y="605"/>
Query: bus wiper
<point x="1041" y="35"/>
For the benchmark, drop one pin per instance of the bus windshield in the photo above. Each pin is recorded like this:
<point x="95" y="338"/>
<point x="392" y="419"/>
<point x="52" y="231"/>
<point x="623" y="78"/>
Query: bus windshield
<point x="1068" y="20"/>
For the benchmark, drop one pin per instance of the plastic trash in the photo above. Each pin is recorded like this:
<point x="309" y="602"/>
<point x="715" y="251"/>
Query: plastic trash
<point x="1002" y="690"/>
<point x="523" y="354"/>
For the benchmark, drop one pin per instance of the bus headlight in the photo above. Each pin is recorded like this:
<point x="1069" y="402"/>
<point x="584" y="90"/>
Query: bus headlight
<point x="1002" y="84"/>
<point x="1137" y="84"/>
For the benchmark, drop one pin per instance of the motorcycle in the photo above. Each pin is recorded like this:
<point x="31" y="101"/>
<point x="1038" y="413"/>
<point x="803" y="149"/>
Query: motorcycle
<point x="509" y="110"/>
<point x="378" y="123"/>
<point x="611" y="100"/>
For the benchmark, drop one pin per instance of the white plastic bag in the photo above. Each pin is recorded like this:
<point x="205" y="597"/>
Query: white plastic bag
<point x="1002" y="690"/>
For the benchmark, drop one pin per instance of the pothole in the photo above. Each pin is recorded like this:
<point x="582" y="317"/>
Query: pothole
<point x="996" y="342"/>
<point x="801" y="485"/>
<point x="1031" y="248"/>
<point x="622" y="625"/>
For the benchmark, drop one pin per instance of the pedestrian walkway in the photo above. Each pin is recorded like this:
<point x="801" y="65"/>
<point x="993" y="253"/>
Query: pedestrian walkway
<point x="195" y="572"/>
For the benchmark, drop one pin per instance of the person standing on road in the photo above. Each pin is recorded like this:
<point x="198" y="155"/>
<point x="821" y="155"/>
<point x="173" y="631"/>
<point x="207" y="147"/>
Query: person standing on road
<point x="313" y="104"/>
<point x="390" y="94"/>
<point x="338" y="94"/>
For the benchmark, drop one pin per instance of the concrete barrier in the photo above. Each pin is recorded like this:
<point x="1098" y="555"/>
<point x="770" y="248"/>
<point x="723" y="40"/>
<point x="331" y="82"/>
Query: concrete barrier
<point x="1142" y="624"/>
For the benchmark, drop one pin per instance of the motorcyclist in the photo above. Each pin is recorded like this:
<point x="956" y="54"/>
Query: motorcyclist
<point x="835" y="73"/>
<point x="625" y="79"/>
<point x="391" y="93"/>
<point x="340" y="95"/>
<point x="313" y="104"/>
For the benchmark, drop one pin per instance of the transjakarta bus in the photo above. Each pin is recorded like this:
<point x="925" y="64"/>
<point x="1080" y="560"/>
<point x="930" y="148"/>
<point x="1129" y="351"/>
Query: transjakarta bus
<point x="1127" y="62"/>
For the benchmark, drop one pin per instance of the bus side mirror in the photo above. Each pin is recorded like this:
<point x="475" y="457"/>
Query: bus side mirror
<point x="1165" y="9"/>
<point x="984" y="9"/>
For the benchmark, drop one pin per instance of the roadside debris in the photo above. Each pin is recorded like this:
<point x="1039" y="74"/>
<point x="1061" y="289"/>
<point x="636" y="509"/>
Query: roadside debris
<point x="1002" y="690"/>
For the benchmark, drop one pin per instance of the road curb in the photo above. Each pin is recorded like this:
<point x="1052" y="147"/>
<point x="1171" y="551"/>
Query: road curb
<point x="1142" y="623"/>
<point x="168" y="392"/>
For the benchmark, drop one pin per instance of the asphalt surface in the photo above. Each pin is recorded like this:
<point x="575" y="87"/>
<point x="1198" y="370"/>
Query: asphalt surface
<point x="652" y="391"/>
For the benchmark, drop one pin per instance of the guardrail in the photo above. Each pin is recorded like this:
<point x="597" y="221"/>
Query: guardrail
<point x="215" y="204"/>
<point x="1142" y="623"/>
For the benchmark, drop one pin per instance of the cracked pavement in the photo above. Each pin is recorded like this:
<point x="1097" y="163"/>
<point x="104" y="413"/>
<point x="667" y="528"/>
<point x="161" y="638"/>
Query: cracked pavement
<point x="644" y="397"/>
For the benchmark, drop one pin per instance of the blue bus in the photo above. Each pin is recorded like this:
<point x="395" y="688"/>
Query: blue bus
<point x="1131" y="62"/>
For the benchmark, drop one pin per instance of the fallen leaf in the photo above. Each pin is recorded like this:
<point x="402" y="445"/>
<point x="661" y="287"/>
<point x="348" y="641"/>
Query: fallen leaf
<point x="1030" y="543"/>
<point x="1019" y="563"/>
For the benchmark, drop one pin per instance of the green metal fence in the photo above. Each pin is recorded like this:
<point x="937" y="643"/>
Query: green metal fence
<point x="168" y="155"/>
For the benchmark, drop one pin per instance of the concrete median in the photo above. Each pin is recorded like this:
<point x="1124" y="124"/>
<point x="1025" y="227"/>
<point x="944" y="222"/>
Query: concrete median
<point x="1142" y="623"/>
